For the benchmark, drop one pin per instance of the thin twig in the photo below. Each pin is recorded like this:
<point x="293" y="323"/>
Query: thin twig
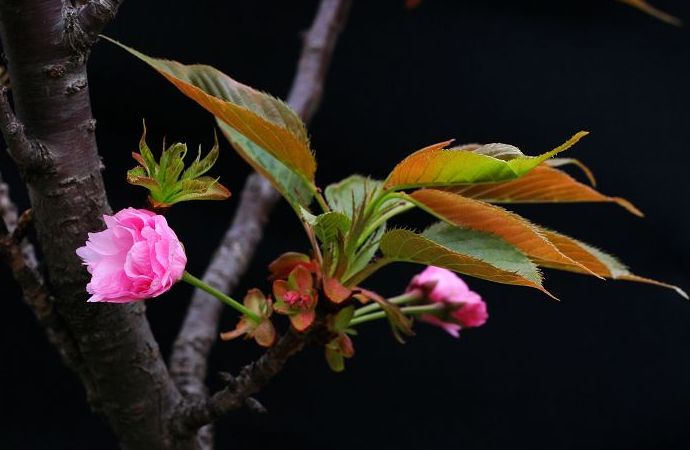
<point x="307" y="87"/>
<point x="250" y="380"/>
<point x="199" y="331"/>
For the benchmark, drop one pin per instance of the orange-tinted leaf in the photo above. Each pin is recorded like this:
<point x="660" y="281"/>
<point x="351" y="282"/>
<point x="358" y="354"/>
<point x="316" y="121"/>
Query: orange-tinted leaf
<point x="468" y="213"/>
<point x="265" y="120"/>
<point x="597" y="261"/>
<point x="559" y="162"/>
<point x="265" y="334"/>
<point x="436" y="166"/>
<point x="335" y="291"/>
<point x="577" y="252"/>
<point x="345" y="345"/>
<point x="280" y="288"/>
<point x="202" y="188"/>
<point x="301" y="320"/>
<point x="646" y="7"/>
<point x="365" y="295"/>
<point x="281" y="307"/>
<point x="243" y="326"/>
<point x="298" y="191"/>
<point x="257" y="302"/>
<point x="300" y="279"/>
<point x="468" y="252"/>
<point x="542" y="185"/>
<point x="283" y="265"/>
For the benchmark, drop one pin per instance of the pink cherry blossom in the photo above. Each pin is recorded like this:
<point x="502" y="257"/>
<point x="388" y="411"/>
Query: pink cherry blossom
<point x="464" y="307"/>
<point x="137" y="256"/>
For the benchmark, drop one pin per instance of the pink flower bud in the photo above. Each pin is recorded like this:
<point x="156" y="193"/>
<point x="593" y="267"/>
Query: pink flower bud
<point x="464" y="308"/>
<point x="137" y="256"/>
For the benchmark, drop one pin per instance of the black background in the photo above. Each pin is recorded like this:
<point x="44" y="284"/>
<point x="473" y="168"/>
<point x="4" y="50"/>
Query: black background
<point x="606" y="368"/>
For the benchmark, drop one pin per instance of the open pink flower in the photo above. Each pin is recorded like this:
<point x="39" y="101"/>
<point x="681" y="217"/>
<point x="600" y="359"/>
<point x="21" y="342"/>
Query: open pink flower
<point x="138" y="256"/>
<point x="464" y="308"/>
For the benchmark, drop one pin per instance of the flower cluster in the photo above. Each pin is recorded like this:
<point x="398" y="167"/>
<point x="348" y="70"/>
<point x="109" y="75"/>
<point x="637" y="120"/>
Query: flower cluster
<point x="138" y="256"/>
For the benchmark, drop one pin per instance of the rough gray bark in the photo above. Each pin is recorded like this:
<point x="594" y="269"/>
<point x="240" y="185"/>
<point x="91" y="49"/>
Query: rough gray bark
<point x="200" y="328"/>
<point x="20" y="256"/>
<point x="53" y="143"/>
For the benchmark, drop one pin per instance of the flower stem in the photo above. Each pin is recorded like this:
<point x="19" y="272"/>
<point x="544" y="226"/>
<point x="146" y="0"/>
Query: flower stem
<point x="408" y="310"/>
<point x="407" y="297"/>
<point x="196" y="282"/>
<point x="322" y="201"/>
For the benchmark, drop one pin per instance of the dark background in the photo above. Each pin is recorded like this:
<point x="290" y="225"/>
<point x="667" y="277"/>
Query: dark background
<point x="606" y="368"/>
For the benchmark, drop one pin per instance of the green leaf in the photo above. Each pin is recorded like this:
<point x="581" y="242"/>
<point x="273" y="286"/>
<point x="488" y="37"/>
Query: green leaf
<point x="485" y="247"/>
<point x="291" y="186"/>
<point x="347" y="195"/>
<point x="139" y="177"/>
<point x="437" y="166"/>
<point x="342" y="318"/>
<point x="360" y="198"/>
<point x="330" y="226"/>
<point x="504" y="152"/>
<point x="335" y="359"/>
<point x="365" y="253"/>
<point x="469" y="252"/>
<point x="201" y="166"/>
<point x="163" y="180"/>
<point x="172" y="162"/>
<point x="149" y="161"/>
<point x="263" y="119"/>
<point x="202" y="188"/>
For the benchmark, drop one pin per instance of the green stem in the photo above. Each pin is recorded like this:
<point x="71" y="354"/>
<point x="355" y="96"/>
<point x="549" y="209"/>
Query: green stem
<point x="381" y="220"/>
<point x="408" y="310"/>
<point x="321" y="201"/>
<point x="365" y="273"/>
<point x="408" y="297"/>
<point x="196" y="282"/>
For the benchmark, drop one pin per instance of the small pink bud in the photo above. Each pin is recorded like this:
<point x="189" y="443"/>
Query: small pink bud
<point x="137" y="256"/>
<point x="464" y="308"/>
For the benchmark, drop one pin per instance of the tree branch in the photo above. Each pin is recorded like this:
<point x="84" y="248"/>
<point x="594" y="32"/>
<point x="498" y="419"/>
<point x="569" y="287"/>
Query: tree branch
<point x="20" y="256"/>
<point x="121" y="360"/>
<point x="84" y="23"/>
<point x="250" y="380"/>
<point x="232" y="258"/>
<point x="19" y="145"/>
<point x="306" y="91"/>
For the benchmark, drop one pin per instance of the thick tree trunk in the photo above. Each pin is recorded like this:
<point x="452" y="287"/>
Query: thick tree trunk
<point x="118" y="357"/>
